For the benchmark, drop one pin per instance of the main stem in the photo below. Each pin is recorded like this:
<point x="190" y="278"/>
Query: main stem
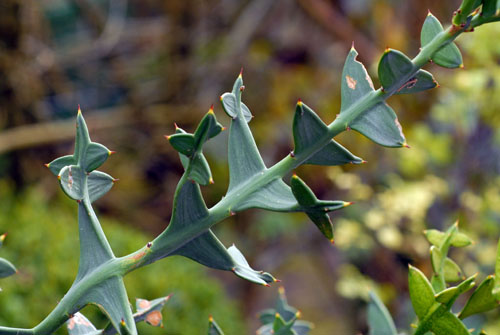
<point x="222" y="210"/>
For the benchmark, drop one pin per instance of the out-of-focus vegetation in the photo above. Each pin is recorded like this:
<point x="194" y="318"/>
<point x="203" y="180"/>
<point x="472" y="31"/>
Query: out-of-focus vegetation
<point x="135" y="66"/>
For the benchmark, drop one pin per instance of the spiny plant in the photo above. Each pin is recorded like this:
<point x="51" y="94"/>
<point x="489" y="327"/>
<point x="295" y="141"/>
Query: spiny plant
<point x="433" y="300"/>
<point x="99" y="279"/>
<point x="280" y="320"/>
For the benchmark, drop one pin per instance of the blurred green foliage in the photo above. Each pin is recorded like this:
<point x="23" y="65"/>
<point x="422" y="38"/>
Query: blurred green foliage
<point x="43" y="242"/>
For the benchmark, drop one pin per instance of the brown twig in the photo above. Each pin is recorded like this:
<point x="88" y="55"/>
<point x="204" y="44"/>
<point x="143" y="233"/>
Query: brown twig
<point x="336" y="24"/>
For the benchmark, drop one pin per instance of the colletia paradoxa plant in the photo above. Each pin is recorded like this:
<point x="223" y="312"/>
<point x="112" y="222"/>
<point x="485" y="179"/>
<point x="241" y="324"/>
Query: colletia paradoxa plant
<point x="99" y="280"/>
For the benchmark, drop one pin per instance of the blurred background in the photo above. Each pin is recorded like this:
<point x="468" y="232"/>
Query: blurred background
<point x="136" y="67"/>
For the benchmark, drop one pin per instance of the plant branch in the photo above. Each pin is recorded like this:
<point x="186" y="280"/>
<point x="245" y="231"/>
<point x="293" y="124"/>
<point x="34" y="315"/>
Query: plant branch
<point x="168" y="242"/>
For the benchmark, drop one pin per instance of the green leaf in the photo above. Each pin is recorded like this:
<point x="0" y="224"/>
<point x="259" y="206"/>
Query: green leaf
<point x="78" y="324"/>
<point x="72" y="181"/>
<point x="286" y="311"/>
<point x="316" y="209"/>
<point x="6" y="268"/>
<point x="288" y="315"/>
<point x="451" y="271"/>
<point x="379" y="123"/>
<point x="436" y="259"/>
<point x="207" y="129"/>
<point x="281" y="327"/>
<point x="243" y="156"/>
<point x="392" y="67"/>
<point x="299" y="328"/>
<point x="448" y="296"/>
<point x="207" y="250"/>
<point x="200" y="171"/>
<point x="57" y="164"/>
<point x="448" y="324"/>
<point x="395" y="65"/>
<point x="307" y="129"/>
<point x="275" y="196"/>
<point x="437" y="238"/>
<point x="356" y="82"/>
<point x="422" y="81"/>
<point x="88" y="155"/>
<point x="481" y="300"/>
<point x="379" y="320"/>
<point x="229" y="105"/>
<point x="183" y="143"/>
<point x="99" y="183"/>
<point x="243" y="269"/>
<point x="189" y="207"/>
<point x="94" y="248"/>
<point x="111" y="298"/>
<point x="231" y="102"/>
<point x="421" y="292"/>
<point x="95" y="156"/>
<point x="448" y="56"/>
<point x="308" y="201"/>
<point x="213" y="327"/>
